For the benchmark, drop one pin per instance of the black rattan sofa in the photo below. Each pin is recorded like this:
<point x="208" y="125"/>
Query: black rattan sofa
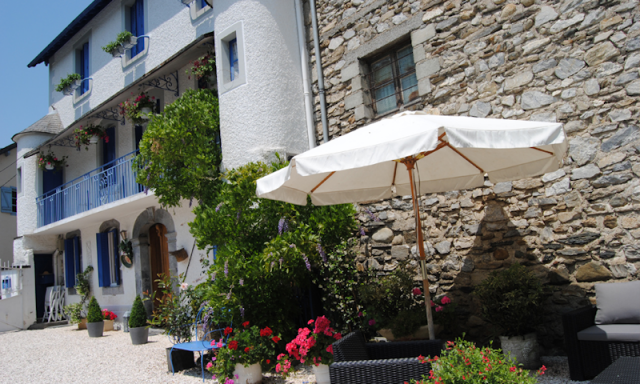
<point x="359" y="362"/>
<point x="587" y="358"/>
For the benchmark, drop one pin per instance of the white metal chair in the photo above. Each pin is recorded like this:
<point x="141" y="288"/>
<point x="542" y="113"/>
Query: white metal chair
<point x="48" y="299"/>
<point x="60" y="303"/>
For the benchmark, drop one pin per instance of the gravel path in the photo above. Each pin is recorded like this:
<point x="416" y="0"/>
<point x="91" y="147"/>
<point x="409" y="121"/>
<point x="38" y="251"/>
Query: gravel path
<point x="66" y="355"/>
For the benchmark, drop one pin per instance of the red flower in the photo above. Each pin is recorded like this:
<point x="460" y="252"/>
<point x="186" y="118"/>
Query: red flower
<point x="337" y="336"/>
<point x="245" y="324"/>
<point x="275" y="339"/>
<point x="330" y="349"/>
<point x="228" y="330"/>
<point x="266" y="332"/>
<point x="233" y="345"/>
<point x="417" y="291"/>
<point x="321" y="324"/>
<point x="246" y="350"/>
<point x="268" y="361"/>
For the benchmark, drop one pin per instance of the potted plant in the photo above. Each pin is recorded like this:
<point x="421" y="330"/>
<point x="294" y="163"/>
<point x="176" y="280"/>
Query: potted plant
<point x="138" y="323"/>
<point x="90" y="134"/>
<point x="95" y="320"/>
<point x="109" y="317"/>
<point x="463" y="362"/>
<point x="139" y="108"/>
<point x="246" y="350"/>
<point x="124" y="40"/>
<point x="314" y="346"/>
<point x="203" y="68"/>
<point x="76" y="312"/>
<point x="69" y="84"/>
<point x="50" y="161"/>
<point x="512" y="299"/>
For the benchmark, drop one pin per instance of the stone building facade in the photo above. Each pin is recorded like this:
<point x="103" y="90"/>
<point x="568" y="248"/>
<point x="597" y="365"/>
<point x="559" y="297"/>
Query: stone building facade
<point x="572" y="61"/>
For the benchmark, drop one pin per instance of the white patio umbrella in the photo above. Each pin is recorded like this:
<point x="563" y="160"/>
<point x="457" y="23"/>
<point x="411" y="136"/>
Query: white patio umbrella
<point x="440" y="153"/>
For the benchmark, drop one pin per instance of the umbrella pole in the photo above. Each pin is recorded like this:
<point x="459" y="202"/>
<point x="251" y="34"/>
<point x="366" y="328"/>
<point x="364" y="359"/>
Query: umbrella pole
<point x="409" y="163"/>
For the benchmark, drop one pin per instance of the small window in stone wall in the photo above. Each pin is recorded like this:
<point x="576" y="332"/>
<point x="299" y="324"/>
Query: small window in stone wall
<point x="392" y="80"/>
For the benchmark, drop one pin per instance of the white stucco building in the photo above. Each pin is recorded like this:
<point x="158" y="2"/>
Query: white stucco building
<point x="75" y="217"/>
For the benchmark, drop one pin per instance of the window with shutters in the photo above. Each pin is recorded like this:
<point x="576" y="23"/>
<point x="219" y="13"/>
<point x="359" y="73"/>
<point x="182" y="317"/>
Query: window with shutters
<point x="392" y="80"/>
<point x="108" y="260"/>
<point x="9" y="200"/>
<point x="72" y="260"/>
<point x="82" y="67"/>
<point x="135" y="15"/>
<point x="198" y="8"/>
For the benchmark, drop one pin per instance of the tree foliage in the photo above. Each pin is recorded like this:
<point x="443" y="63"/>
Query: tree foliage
<point x="266" y="250"/>
<point x="180" y="152"/>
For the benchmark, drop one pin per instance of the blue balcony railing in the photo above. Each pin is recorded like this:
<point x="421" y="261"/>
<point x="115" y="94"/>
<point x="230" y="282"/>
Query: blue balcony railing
<point x="111" y="182"/>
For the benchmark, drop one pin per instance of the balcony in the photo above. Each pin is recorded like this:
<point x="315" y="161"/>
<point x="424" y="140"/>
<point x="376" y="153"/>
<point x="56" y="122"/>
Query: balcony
<point x="109" y="183"/>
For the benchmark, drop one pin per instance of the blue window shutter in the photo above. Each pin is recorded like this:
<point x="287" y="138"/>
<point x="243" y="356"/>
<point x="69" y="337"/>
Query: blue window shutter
<point x="69" y="263"/>
<point x="77" y="254"/>
<point x="116" y="258"/>
<point x="136" y="18"/>
<point x="6" y="199"/>
<point x="203" y="4"/>
<point x="104" y="275"/>
<point x="85" y="67"/>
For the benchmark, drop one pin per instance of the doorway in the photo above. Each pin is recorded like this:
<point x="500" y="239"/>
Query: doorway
<point x="43" y="269"/>
<point x="158" y="257"/>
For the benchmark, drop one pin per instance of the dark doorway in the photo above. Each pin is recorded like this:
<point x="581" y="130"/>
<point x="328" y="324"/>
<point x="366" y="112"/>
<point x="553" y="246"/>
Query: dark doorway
<point x="158" y="256"/>
<point x="43" y="269"/>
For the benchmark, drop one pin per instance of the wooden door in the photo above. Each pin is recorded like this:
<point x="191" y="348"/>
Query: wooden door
<point x="158" y="255"/>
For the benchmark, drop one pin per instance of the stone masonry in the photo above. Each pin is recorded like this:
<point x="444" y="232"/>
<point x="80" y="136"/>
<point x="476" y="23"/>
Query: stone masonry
<point x="572" y="61"/>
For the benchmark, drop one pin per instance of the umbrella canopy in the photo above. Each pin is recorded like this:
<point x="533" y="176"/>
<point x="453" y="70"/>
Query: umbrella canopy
<point x="439" y="153"/>
<point x="452" y="153"/>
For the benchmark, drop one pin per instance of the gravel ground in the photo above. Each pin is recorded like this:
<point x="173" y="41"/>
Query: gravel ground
<point x="66" y="355"/>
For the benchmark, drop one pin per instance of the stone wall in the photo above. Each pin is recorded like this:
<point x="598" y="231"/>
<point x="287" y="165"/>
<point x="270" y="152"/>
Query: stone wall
<point x="573" y="61"/>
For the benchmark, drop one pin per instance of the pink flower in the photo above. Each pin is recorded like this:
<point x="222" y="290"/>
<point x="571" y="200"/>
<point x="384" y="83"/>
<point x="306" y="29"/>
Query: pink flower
<point x="445" y="300"/>
<point x="439" y="308"/>
<point x="330" y="349"/>
<point x="184" y="286"/>
<point x="372" y="322"/>
<point x="209" y="365"/>
<point x="417" y="291"/>
<point x="321" y="324"/>
<point x="433" y="304"/>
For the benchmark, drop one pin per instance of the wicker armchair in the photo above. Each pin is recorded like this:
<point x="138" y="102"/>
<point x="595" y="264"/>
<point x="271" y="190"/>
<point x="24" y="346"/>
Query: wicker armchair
<point x="358" y="362"/>
<point x="588" y="358"/>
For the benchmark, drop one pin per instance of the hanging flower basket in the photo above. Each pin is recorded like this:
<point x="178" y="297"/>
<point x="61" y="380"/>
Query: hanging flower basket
<point x="50" y="161"/>
<point x="138" y="109"/>
<point x="90" y="134"/>
<point x="203" y="68"/>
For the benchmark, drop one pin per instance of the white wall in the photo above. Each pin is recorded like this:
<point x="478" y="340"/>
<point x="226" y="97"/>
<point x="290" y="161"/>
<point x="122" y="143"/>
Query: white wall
<point x="266" y="114"/>
<point x="7" y="220"/>
<point x="170" y="25"/>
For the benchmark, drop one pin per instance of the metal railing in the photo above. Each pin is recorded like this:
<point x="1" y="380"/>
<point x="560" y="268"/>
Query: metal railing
<point x="111" y="182"/>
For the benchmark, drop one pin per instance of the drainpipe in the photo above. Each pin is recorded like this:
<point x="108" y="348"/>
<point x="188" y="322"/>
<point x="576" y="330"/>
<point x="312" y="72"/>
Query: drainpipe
<point x="316" y="46"/>
<point x="306" y="83"/>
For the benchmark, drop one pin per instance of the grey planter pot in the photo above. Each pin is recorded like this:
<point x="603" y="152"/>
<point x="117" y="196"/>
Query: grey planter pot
<point x="139" y="335"/>
<point x="524" y="349"/>
<point x="95" y="329"/>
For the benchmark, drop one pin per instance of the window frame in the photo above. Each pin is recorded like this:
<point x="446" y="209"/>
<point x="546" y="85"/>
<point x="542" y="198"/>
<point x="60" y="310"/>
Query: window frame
<point x="9" y="200"/>
<point x="83" y="67"/>
<point x="76" y="267"/>
<point x="136" y="7"/>
<point x="109" y="263"/>
<point x="223" y="56"/>
<point x="396" y="79"/>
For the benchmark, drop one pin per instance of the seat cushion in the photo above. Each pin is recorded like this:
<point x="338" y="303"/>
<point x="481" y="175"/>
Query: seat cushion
<point x="611" y="332"/>
<point x="618" y="303"/>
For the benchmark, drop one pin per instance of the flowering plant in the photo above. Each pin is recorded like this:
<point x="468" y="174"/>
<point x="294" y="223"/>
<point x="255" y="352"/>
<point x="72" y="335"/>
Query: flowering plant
<point x="51" y="160"/>
<point x="463" y="362"/>
<point x="108" y="315"/>
<point x="314" y="346"/>
<point x="84" y="135"/>
<point x="132" y="108"/>
<point x="248" y="345"/>
<point x="203" y="67"/>
<point x="445" y="311"/>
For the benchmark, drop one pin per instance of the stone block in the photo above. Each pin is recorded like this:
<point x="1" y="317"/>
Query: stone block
<point x="536" y="99"/>
<point x="424" y="86"/>
<point x="518" y="80"/>
<point x="600" y="53"/>
<point x="400" y="252"/>
<point x="358" y="83"/>
<point x="354" y="100"/>
<point x="363" y="112"/>
<point x="427" y="68"/>
<point x="586" y="172"/>
<point x="545" y="15"/>
<point x="592" y="271"/>
<point x="422" y="35"/>
<point x="419" y="53"/>
<point x="350" y="71"/>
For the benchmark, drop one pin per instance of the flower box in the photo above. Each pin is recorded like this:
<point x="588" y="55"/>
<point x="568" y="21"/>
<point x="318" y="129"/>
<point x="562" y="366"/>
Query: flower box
<point x="108" y="325"/>
<point x="128" y="44"/>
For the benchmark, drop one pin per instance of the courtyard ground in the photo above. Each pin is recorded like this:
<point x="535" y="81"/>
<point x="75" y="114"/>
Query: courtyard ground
<point x="67" y="355"/>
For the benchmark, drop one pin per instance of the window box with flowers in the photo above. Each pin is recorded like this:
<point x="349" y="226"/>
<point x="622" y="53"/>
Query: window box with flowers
<point x="91" y="134"/>
<point x="69" y="84"/>
<point x="138" y="109"/>
<point x="202" y="69"/>
<point x="247" y="350"/>
<point x="50" y="161"/>
<point x="124" y="40"/>
<point x="108" y="319"/>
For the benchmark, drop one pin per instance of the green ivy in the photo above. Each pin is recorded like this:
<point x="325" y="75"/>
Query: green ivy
<point x="179" y="153"/>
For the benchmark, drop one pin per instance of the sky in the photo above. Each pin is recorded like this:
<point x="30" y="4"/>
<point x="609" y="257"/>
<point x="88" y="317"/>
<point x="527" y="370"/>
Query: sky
<point x="27" y="31"/>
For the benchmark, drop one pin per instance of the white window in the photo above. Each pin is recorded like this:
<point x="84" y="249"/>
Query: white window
<point x="230" y="54"/>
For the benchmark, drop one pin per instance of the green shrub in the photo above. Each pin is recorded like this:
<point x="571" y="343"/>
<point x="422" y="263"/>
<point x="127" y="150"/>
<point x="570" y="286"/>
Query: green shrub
<point x="95" y="312"/>
<point x="512" y="299"/>
<point x="67" y="81"/>
<point x="138" y="317"/>
<point x="463" y="362"/>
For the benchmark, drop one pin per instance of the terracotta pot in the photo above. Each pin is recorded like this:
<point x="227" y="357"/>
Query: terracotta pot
<point x="108" y="325"/>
